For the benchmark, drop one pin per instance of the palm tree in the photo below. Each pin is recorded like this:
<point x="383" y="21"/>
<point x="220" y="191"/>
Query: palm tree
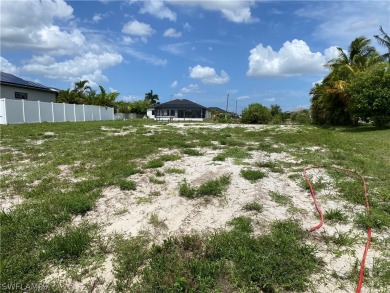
<point x="275" y="110"/>
<point x="359" y="52"/>
<point x="384" y="40"/>
<point x="152" y="98"/>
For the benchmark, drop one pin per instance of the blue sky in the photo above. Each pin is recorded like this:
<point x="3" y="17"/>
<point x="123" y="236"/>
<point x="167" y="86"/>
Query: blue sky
<point x="268" y="52"/>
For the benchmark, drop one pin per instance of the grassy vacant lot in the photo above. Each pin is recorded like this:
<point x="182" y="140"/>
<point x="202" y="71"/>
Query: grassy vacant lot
<point x="52" y="174"/>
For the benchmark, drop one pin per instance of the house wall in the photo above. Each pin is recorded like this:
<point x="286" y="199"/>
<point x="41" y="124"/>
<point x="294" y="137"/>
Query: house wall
<point x="149" y="113"/>
<point x="8" y="92"/>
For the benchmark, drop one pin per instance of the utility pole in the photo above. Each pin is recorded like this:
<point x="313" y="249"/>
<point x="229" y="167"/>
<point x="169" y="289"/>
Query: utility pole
<point x="236" y="107"/>
<point x="227" y="102"/>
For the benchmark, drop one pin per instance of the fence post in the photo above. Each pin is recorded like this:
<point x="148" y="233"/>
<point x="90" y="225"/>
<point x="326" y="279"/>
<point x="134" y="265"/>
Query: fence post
<point x="52" y="111"/>
<point x="24" y="114"/>
<point x="39" y="111"/>
<point x="100" y="114"/>
<point x="5" y="111"/>
<point x="64" y="113"/>
<point x="84" y="112"/>
<point x="74" y="112"/>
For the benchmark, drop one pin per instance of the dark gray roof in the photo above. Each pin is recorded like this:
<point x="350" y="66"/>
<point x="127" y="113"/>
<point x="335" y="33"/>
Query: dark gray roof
<point x="179" y="103"/>
<point x="217" y="109"/>
<point x="9" y="79"/>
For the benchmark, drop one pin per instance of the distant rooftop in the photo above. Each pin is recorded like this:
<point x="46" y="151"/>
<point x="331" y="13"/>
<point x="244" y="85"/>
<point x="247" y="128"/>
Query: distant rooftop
<point x="179" y="103"/>
<point x="9" y="79"/>
<point x="217" y="109"/>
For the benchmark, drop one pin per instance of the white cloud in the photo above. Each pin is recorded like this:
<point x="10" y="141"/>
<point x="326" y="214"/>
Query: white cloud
<point x="172" y="33"/>
<point x="174" y="84"/>
<point x="7" y="66"/>
<point x="158" y="9"/>
<point x="88" y="66"/>
<point x="243" y="98"/>
<point x="187" y="27"/>
<point x="97" y="17"/>
<point x="145" y="57"/>
<point x="137" y="28"/>
<point x="130" y="98"/>
<point x="294" y="58"/>
<point x="30" y="24"/>
<point x="176" y="48"/>
<point x="127" y="40"/>
<point x="192" y="88"/>
<point x="238" y="11"/>
<point x="342" y="21"/>
<point x="208" y="75"/>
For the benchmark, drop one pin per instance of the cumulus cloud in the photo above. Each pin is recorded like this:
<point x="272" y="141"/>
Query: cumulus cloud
<point x="294" y="58"/>
<point x="174" y="84"/>
<point x="137" y="28"/>
<point x="172" y="33"/>
<point x="158" y="9"/>
<point x="30" y="24"/>
<point x="88" y="66"/>
<point x="208" y="75"/>
<point x="238" y="11"/>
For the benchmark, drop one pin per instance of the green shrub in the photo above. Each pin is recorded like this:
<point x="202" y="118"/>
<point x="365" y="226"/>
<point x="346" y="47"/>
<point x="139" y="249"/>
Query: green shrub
<point x="256" y="114"/>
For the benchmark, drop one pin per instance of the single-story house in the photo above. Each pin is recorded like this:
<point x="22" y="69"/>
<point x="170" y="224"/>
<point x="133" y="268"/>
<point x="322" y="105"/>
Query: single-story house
<point x="13" y="87"/>
<point x="179" y="109"/>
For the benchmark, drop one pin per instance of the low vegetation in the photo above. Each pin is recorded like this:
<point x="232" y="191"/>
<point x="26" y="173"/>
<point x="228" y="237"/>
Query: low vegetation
<point x="213" y="187"/>
<point x="62" y="178"/>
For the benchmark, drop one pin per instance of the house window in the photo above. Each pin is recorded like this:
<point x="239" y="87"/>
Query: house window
<point x="19" y="95"/>
<point x="153" y="112"/>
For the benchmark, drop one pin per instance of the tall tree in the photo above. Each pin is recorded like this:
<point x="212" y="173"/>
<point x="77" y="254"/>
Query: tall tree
<point x="384" y="40"/>
<point x="82" y="88"/>
<point x="331" y="102"/>
<point x="152" y="98"/>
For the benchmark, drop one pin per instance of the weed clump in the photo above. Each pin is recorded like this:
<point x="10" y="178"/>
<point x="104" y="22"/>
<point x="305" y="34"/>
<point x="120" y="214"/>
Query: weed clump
<point x="127" y="184"/>
<point x="253" y="206"/>
<point x="213" y="187"/>
<point x="252" y="175"/>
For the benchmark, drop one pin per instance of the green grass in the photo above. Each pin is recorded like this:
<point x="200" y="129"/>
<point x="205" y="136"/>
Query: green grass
<point x="335" y="215"/>
<point x="192" y="152"/>
<point x="175" y="171"/>
<point x="156" y="163"/>
<point x="224" y="261"/>
<point x="156" y="222"/>
<point x="127" y="184"/>
<point x="279" y="198"/>
<point x="214" y="187"/>
<point x="156" y="180"/>
<point x="252" y="175"/>
<point x="69" y="245"/>
<point x="253" y="206"/>
<point x="37" y="234"/>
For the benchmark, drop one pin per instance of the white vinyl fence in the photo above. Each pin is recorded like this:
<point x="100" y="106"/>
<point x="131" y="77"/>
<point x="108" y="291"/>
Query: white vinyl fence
<point x="21" y="111"/>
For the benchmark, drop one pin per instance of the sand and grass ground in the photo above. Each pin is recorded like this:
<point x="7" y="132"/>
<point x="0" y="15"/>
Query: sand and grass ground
<point x="142" y="206"/>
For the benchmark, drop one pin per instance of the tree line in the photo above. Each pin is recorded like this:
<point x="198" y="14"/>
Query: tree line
<point x="82" y="93"/>
<point x="357" y="87"/>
